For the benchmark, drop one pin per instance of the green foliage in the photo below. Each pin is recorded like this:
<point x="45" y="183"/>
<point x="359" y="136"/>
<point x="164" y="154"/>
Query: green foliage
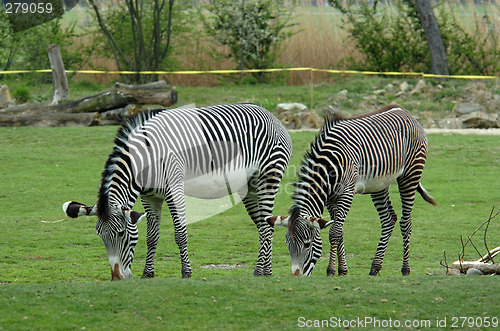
<point x="140" y="35"/>
<point x="474" y="51"/>
<point x="21" y="95"/>
<point x="391" y="38"/>
<point x="253" y="30"/>
<point x="27" y="50"/>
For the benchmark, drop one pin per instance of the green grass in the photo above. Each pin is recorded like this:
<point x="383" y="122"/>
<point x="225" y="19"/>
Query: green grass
<point x="55" y="275"/>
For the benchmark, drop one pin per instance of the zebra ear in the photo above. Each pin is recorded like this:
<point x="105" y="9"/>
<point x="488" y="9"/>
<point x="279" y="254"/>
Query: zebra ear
<point x="74" y="209"/>
<point x="319" y="223"/>
<point x="278" y="220"/>
<point x="133" y="216"/>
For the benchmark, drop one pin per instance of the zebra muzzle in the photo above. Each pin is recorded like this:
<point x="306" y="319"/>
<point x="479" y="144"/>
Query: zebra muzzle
<point x="116" y="274"/>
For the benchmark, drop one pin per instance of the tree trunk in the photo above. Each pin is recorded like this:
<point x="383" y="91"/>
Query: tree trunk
<point x="59" y="80"/>
<point x="119" y="96"/>
<point x="108" y="107"/>
<point x="437" y="50"/>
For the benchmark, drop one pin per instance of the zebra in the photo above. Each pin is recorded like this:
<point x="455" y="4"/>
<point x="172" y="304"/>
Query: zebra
<point x="206" y="152"/>
<point x="357" y="155"/>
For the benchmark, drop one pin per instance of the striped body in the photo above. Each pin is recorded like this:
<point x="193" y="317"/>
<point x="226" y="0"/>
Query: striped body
<point x="359" y="155"/>
<point x="205" y="152"/>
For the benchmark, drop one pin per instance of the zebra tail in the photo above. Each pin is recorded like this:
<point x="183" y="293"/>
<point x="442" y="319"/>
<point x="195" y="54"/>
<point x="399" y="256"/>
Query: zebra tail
<point x="426" y="195"/>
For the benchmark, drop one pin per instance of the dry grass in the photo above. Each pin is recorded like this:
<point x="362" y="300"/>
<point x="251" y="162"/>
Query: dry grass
<point x="321" y="42"/>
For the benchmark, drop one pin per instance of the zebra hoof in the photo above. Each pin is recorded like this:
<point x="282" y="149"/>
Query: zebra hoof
<point x="259" y="273"/>
<point x="148" y="275"/>
<point x="342" y="273"/>
<point x="330" y="272"/>
<point x="186" y="273"/>
<point x="373" y="272"/>
<point x="405" y="271"/>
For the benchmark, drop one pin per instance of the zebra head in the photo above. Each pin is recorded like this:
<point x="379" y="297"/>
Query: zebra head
<point x="118" y="230"/>
<point x="303" y="240"/>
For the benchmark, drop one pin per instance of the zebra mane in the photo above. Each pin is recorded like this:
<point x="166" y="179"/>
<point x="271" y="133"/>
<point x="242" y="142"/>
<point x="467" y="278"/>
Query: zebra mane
<point x="337" y="117"/>
<point x="120" y="144"/>
<point x="294" y="215"/>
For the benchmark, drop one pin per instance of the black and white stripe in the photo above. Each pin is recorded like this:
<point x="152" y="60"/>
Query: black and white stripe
<point x="204" y="152"/>
<point x="359" y="155"/>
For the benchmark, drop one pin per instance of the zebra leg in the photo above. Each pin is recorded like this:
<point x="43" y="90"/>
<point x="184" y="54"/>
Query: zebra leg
<point x="331" y="205"/>
<point x="388" y="218"/>
<point x="336" y="235"/>
<point x="407" y="189"/>
<point x="177" y="205"/>
<point x="259" y="203"/>
<point x="153" y="214"/>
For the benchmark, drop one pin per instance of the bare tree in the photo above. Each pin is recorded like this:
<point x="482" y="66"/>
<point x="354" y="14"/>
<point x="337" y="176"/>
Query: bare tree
<point x="439" y="60"/>
<point x="149" y="50"/>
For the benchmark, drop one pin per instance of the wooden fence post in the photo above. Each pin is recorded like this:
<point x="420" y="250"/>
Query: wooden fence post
<point x="59" y="80"/>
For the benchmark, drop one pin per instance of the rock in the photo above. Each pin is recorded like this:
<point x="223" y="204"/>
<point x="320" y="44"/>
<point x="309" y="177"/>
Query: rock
<point x="389" y="87"/>
<point x="479" y="120"/>
<point x="295" y="116"/>
<point x="308" y="120"/>
<point x="450" y="123"/>
<point x="4" y="96"/>
<point x="453" y="271"/>
<point x="302" y="120"/>
<point x="467" y="108"/>
<point x="342" y="95"/>
<point x="419" y="87"/>
<point x="474" y="272"/>
<point x="379" y="92"/>
<point x="404" y="86"/>
<point x="431" y="124"/>
<point x="290" y="107"/>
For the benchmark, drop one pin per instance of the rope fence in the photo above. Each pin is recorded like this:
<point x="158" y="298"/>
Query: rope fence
<point x="236" y="71"/>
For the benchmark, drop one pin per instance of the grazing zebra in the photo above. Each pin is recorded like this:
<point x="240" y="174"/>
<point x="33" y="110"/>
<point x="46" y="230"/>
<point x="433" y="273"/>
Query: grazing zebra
<point x="362" y="154"/>
<point x="206" y="152"/>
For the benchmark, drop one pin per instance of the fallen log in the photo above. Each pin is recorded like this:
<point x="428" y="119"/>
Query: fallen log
<point x="485" y="268"/>
<point x="47" y="120"/>
<point x="119" y="96"/>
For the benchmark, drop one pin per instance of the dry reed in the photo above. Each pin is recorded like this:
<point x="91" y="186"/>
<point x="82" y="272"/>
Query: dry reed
<point x="320" y="42"/>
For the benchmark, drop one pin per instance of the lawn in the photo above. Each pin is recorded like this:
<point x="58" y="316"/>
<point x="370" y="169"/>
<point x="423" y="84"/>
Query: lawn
<point x="54" y="272"/>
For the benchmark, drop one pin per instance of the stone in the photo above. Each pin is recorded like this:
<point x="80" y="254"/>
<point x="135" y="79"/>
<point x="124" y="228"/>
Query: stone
<point x="467" y="108"/>
<point x="308" y="120"/>
<point x="404" y="86"/>
<point x="419" y="87"/>
<point x="379" y="92"/>
<point x="290" y="107"/>
<point x="430" y="123"/>
<point x="450" y="123"/>
<point x="453" y="271"/>
<point x="5" y="97"/>
<point x="479" y="120"/>
<point x="342" y="95"/>
<point x="389" y="87"/>
<point x="474" y="272"/>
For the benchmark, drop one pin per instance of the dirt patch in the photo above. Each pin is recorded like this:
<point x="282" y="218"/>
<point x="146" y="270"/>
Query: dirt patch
<point x="491" y="132"/>
<point x="224" y="266"/>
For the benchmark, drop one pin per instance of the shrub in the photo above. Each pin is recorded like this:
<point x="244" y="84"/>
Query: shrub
<point x="27" y="50"/>
<point x="391" y="38"/>
<point x="21" y="95"/>
<point x="253" y="30"/>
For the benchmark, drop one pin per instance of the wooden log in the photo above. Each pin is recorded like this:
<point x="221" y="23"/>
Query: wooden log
<point x="48" y="119"/>
<point x="119" y="96"/>
<point x="486" y="268"/>
<point x="59" y="80"/>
